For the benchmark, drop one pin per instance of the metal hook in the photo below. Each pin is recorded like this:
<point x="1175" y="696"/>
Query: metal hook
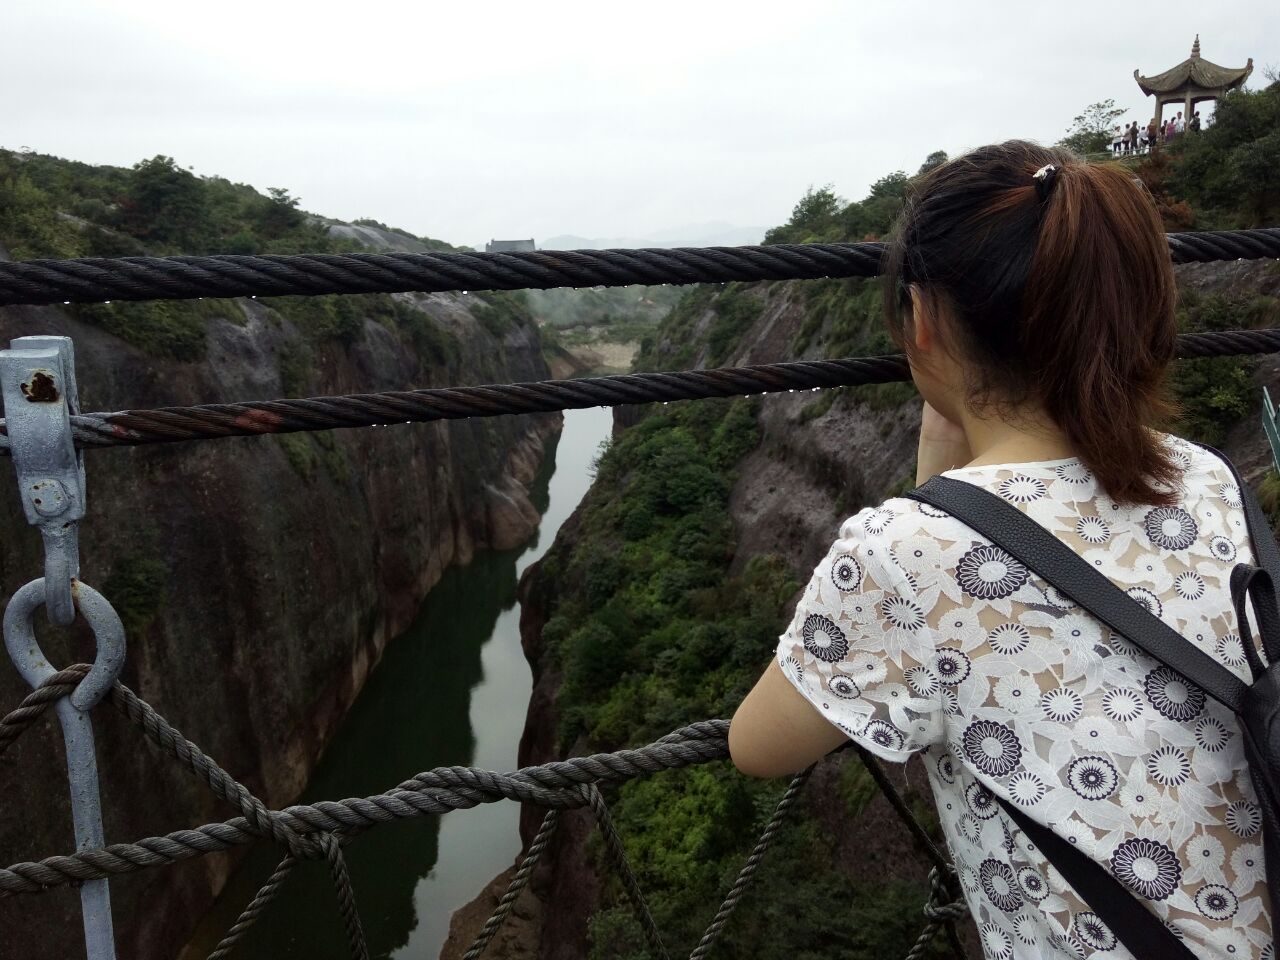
<point x="77" y="730"/>
<point x="37" y="375"/>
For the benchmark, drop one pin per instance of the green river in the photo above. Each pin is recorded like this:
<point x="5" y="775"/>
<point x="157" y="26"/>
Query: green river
<point x="451" y="690"/>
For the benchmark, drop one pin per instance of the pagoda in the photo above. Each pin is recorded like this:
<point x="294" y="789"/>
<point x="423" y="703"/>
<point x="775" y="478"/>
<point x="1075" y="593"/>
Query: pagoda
<point x="1193" y="80"/>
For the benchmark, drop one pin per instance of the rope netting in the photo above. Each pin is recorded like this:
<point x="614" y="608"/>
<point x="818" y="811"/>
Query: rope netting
<point x="320" y="831"/>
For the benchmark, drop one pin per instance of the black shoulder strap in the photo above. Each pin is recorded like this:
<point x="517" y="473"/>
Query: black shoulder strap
<point x="1141" y="931"/>
<point x="1016" y="533"/>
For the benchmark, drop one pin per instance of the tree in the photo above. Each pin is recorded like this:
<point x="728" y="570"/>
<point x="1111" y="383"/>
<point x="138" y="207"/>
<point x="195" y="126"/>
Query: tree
<point x="935" y="159"/>
<point x="164" y="203"/>
<point x="1091" y="131"/>
<point x="812" y="218"/>
<point x="280" y="214"/>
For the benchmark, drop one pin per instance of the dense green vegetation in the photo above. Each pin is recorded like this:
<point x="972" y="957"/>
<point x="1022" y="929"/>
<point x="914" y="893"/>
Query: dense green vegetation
<point x="611" y="314"/>
<point x="50" y="207"/>
<point x="651" y="632"/>
<point x="1229" y="173"/>
<point x="1217" y="392"/>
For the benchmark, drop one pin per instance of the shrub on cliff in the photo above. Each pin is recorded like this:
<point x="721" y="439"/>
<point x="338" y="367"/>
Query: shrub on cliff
<point x="1216" y="392"/>
<point x="1230" y="172"/>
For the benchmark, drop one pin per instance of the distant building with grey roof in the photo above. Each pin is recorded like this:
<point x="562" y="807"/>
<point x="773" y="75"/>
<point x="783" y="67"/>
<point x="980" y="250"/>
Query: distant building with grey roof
<point x="509" y="246"/>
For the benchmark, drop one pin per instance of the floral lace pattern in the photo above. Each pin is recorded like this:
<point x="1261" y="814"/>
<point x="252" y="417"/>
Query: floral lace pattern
<point x="915" y="634"/>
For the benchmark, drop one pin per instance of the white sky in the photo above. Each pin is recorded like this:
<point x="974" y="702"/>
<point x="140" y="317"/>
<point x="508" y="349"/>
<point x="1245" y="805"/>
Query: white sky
<point x="468" y="120"/>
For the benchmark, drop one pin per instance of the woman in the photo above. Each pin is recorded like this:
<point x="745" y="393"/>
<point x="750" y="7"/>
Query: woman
<point x="1010" y="285"/>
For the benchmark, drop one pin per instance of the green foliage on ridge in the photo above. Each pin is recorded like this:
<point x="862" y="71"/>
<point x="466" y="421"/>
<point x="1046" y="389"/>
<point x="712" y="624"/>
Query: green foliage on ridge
<point x="55" y="208"/>
<point x="1230" y="171"/>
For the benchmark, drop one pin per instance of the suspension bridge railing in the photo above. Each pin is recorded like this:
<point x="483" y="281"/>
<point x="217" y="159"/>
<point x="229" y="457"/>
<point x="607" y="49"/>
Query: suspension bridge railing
<point x="45" y="434"/>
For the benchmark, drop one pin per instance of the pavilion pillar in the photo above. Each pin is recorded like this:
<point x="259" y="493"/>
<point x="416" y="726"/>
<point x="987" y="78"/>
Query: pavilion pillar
<point x="1186" y="111"/>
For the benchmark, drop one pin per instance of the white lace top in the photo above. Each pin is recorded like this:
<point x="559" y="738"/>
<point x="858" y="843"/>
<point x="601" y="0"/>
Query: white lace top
<point x="914" y="634"/>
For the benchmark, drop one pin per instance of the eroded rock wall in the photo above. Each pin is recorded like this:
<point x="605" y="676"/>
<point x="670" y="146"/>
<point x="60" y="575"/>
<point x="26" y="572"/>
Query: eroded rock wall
<point x="262" y="578"/>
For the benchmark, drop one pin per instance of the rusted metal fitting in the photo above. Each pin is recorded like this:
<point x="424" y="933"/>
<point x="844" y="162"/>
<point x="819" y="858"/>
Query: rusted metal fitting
<point x="38" y="378"/>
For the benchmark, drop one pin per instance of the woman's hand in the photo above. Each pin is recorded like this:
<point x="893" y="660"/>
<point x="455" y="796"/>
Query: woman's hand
<point x="943" y="445"/>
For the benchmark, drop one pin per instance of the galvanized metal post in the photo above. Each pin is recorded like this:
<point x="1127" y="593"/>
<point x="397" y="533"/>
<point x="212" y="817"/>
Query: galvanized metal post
<point x="1270" y="427"/>
<point x="37" y="377"/>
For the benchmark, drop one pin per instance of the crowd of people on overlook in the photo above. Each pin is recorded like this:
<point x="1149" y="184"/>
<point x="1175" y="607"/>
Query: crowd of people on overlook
<point x="1134" y="138"/>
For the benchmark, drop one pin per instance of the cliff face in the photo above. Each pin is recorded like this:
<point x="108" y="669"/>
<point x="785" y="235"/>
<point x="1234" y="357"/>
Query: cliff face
<point x="817" y="462"/>
<point x="260" y="578"/>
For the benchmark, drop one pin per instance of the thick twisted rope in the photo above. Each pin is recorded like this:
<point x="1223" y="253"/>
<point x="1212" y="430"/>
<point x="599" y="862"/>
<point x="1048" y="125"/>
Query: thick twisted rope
<point x="34" y="704"/>
<point x="312" y="832"/>
<point x="209" y="421"/>
<point x="249" y="915"/>
<point x="178" y="278"/>
<point x="346" y="897"/>
<point x="554" y="785"/>
<point x="184" y="278"/>
<point x="519" y="881"/>
<point x="941" y="911"/>
<point x="748" y="871"/>
<point x="622" y="866"/>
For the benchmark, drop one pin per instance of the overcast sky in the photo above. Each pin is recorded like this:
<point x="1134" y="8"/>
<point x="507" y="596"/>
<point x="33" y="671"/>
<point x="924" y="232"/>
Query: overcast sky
<point x="470" y="120"/>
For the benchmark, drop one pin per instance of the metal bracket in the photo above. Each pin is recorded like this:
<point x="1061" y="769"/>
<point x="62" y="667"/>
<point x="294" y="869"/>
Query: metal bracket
<point x="38" y="378"/>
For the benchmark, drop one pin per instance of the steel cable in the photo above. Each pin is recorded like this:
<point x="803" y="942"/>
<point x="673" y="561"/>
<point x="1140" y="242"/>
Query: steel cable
<point x="91" y="280"/>
<point x="250" y="418"/>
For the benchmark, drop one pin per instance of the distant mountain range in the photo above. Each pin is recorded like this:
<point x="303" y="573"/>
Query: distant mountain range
<point x="716" y="234"/>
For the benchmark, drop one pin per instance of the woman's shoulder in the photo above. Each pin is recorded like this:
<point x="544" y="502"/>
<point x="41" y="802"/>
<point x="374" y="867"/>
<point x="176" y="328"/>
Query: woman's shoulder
<point x="1056" y="493"/>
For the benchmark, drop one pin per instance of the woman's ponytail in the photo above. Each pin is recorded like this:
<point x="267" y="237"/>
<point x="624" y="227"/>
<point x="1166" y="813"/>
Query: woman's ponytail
<point x="1062" y="285"/>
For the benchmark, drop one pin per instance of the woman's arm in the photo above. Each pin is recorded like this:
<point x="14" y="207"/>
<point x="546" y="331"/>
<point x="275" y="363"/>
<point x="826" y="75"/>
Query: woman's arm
<point x="776" y="731"/>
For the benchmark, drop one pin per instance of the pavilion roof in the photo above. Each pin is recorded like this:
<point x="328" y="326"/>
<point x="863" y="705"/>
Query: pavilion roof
<point x="1195" y="71"/>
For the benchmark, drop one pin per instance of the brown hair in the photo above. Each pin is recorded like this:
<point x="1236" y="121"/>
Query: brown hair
<point x="1063" y="297"/>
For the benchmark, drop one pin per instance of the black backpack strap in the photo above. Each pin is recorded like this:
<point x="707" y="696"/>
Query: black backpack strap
<point x="1016" y="533"/>
<point x="1141" y="931"/>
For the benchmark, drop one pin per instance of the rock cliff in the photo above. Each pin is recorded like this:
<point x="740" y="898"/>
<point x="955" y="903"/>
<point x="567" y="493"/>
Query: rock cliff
<point x="260" y="578"/>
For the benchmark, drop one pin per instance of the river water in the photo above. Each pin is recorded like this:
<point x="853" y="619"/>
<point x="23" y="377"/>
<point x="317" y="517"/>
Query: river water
<point x="452" y="690"/>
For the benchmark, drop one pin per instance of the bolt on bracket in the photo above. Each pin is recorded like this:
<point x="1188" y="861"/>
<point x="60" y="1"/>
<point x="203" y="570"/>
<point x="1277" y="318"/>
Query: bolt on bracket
<point x="37" y="375"/>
